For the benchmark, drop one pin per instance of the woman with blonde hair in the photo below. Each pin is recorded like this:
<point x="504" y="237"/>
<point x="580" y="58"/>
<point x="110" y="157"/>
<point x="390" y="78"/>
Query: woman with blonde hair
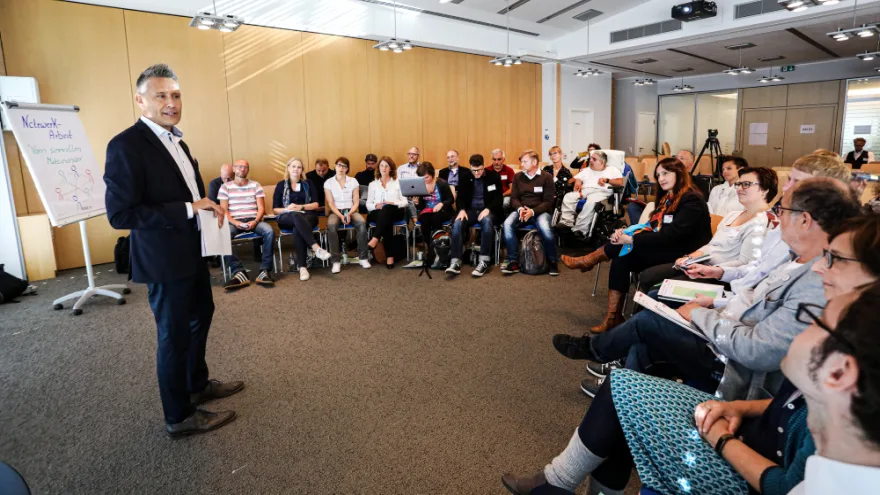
<point x="296" y="204"/>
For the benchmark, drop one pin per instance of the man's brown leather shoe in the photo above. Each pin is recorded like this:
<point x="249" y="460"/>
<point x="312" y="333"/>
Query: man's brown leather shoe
<point x="524" y="485"/>
<point x="201" y="421"/>
<point x="216" y="390"/>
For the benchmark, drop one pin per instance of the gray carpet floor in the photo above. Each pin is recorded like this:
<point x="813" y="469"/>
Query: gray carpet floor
<point x="370" y="381"/>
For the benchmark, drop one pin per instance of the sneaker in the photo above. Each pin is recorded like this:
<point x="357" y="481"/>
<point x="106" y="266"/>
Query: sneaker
<point x="238" y="280"/>
<point x="510" y="267"/>
<point x="365" y="264"/>
<point x="322" y="254"/>
<point x="337" y="267"/>
<point x="602" y="369"/>
<point x="573" y="347"/>
<point x="554" y="268"/>
<point x="265" y="278"/>
<point x="454" y="267"/>
<point x="304" y="274"/>
<point x="590" y="386"/>
<point x="481" y="269"/>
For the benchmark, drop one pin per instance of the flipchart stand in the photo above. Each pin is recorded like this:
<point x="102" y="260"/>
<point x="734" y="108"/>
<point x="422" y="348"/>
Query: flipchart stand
<point x="84" y="295"/>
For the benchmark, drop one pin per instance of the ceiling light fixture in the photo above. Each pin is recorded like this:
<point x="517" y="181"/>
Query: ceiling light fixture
<point x="683" y="87"/>
<point x="770" y="78"/>
<point x="223" y="23"/>
<point x="802" y="5"/>
<point x="735" y="71"/>
<point x="587" y="72"/>
<point x="863" y="31"/>
<point x="507" y="60"/>
<point x="393" y="44"/>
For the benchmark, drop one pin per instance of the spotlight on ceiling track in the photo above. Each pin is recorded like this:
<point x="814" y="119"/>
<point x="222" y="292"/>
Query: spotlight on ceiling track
<point x="225" y="24"/>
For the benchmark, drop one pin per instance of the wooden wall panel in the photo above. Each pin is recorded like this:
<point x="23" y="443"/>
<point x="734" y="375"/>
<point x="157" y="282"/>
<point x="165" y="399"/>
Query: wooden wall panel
<point x="77" y="54"/>
<point x="197" y="58"/>
<point x="817" y="93"/>
<point x="445" y="106"/>
<point x="396" y="117"/>
<point x="521" y="126"/>
<point x="764" y="97"/>
<point x="264" y="76"/>
<point x="489" y="106"/>
<point x="337" y="105"/>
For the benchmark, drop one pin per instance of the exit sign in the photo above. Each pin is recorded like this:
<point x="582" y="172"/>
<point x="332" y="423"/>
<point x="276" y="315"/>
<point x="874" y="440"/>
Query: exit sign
<point x="787" y="68"/>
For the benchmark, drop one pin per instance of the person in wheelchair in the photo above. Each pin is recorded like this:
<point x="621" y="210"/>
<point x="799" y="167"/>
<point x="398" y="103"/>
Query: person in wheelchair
<point x="592" y="184"/>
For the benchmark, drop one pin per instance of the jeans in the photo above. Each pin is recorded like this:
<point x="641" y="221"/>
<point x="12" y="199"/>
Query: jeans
<point x="360" y="228"/>
<point x="303" y="225"/>
<point x="634" y="211"/>
<point x="268" y="235"/>
<point x="653" y="345"/>
<point x="487" y="234"/>
<point x="542" y="221"/>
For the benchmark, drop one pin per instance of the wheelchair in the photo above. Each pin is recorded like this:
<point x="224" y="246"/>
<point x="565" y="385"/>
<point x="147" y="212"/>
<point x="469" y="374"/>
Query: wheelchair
<point x="608" y="217"/>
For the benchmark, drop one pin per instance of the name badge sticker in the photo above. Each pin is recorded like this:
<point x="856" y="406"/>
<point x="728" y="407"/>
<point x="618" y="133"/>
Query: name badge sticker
<point x="297" y="187"/>
<point x="539" y="189"/>
<point x="667" y="218"/>
<point x="503" y="177"/>
<point x="491" y="187"/>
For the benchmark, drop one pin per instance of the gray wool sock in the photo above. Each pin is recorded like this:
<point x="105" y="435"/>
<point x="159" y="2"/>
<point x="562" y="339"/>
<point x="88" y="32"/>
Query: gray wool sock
<point x="596" y="488"/>
<point x="570" y="468"/>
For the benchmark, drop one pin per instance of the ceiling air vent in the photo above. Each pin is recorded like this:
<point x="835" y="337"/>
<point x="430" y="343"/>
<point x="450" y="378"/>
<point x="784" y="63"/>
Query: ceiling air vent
<point x="644" y="61"/>
<point x="686" y="69"/>
<point x="756" y="8"/>
<point x="771" y="59"/>
<point x="646" y="30"/>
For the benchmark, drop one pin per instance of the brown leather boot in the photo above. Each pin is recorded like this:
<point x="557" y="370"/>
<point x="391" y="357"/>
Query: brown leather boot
<point x="615" y="314"/>
<point x="585" y="263"/>
<point x="523" y="485"/>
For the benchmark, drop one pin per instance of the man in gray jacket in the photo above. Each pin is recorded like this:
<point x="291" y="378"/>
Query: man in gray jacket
<point x="746" y="340"/>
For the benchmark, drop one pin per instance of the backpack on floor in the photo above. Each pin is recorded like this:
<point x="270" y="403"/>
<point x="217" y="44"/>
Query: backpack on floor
<point x="397" y="247"/>
<point x="442" y="242"/>
<point x="532" y="259"/>
<point x="10" y="286"/>
<point x="122" y="254"/>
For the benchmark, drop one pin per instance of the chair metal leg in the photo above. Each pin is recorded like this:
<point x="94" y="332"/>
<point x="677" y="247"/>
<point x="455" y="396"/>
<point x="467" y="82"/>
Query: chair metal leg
<point x="223" y="266"/>
<point x="596" y="283"/>
<point x="638" y="278"/>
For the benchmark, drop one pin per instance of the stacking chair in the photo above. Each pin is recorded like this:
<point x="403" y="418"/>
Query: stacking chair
<point x="322" y="241"/>
<point x="242" y="238"/>
<point x="402" y="224"/>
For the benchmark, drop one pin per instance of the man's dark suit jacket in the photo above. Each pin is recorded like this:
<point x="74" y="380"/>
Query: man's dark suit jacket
<point x="465" y="181"/>
<point x="214" y="189"/>
<point x="493" y="200"/>
<point x="146" y="193"/>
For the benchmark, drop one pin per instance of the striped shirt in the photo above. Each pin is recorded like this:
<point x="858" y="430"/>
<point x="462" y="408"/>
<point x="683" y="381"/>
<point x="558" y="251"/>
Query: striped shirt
<point x="242" y="199"/>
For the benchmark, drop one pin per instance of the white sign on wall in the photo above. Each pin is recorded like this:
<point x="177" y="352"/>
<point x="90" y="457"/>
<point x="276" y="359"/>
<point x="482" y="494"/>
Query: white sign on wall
<point x="758" y="133"/>
<point x="808" y="128"/>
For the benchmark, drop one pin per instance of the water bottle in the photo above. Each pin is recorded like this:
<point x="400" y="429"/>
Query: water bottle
<point x="344" y="258"/>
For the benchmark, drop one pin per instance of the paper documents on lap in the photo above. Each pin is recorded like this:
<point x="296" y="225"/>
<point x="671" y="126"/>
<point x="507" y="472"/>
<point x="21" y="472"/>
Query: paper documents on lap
<point x="215" y="240"/>
<point x="684" y="290"/>
<point x="665" y="311"/>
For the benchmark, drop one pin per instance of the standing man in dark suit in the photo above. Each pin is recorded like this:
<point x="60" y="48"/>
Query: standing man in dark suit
<point x="154" y="189"/>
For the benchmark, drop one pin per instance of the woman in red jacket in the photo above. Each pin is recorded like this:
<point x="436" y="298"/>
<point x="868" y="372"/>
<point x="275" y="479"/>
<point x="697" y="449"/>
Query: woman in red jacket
<point x="678" y="225"/>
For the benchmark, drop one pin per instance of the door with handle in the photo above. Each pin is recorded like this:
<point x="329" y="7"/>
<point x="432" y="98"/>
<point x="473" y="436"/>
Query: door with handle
<point x="763" y="137"/>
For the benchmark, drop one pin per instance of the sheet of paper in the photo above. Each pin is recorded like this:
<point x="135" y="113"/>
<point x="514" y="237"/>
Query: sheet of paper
<point x="758" y="128"/>
<point x="665" y="311"/>
<point x="683" y="290"/>
<point x="215" y="240"/>
<point x="808" y="128"/>
<point x="757" y="139"/>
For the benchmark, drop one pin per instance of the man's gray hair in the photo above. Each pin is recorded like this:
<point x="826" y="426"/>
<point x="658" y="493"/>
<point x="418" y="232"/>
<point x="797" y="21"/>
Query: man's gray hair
<point x="499" y="150"/>
<point x="157" y="70"/>
<point x="602" y="156"/>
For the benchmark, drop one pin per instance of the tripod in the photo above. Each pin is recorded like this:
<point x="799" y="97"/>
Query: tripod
<point x="714" y="148"/>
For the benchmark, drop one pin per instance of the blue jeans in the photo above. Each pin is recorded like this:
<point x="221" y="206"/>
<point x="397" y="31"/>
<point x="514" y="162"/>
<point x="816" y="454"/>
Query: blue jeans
<point x="542" y="221"/>
<point x="653" y="345"/>
<point x="634" y="211"/>
<point x="487" y="234"/>
<point x="268" y="235"/>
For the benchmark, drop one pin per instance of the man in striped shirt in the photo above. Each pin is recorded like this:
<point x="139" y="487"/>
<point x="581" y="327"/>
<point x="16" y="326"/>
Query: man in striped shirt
<point x="244" y="201"/>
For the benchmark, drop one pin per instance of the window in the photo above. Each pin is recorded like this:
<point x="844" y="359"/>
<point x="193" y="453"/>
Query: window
<point x="861" y="114"/>
<point x="686" y="119"/>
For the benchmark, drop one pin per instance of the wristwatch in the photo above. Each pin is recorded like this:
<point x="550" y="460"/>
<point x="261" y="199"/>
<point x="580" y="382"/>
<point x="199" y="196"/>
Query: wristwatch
<point x="719" y="445"/>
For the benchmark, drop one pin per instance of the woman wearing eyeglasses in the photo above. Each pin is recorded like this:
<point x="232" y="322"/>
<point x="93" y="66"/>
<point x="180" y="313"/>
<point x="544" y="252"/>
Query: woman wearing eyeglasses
<point x="739" y="236"/>
<point x="852" y="258"/>
<point x="342" y="194"/>
<point x="724" y="198"/>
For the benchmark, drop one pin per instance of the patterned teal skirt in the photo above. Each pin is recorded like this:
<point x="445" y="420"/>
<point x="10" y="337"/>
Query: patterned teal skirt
<point x="657" y="417"/>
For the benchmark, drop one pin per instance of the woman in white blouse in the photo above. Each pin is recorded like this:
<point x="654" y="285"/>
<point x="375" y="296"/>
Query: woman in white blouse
<point x="740" y="234"/>
<point x="723" y="198"/>
<point x="386" y="206"/>
<point x="342" y="195"/>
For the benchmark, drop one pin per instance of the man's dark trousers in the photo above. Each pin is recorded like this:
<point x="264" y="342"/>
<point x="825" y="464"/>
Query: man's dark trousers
<point x="183" y="310"/>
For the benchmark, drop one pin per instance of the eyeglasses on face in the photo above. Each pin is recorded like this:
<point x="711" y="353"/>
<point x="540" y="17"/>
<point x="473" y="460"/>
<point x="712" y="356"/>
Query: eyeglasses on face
<point x="745" y="184"/>
<point x="831" y="257"/>
<point x="808" y="314"/>
<point x="413" y="154"/>
<point x="781" y="208"/>
<point x="342" y="165"/>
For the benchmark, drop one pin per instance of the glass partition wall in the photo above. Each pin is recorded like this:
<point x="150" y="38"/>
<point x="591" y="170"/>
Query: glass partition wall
<point x="685" y="120"/>
<point x="861" y="116"/>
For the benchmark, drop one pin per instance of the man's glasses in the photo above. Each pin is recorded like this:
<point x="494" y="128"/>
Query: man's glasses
<point x="342" y="165"/>
<point x="808" y="313"/>
<point x="413" y="154"/>
<point x="830" y="258"/>
<point x="781" y="208"/>
<point x="744" y="184"/>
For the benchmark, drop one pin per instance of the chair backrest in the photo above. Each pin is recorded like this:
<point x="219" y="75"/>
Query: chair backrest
<point x="783" y="178"/>
<point x="666" y="149"/>
<point x="716" y="221"/>
<point x="270" y="193"/>
<point x="704" y="166"/>
<point x="871" y="168"/>
<point x="648" y="166"/>
<point x="616" y="159"/>
<point x="646" y="213"/>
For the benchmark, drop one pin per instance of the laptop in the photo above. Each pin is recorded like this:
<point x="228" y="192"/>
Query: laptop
<point x="413" y="187"/>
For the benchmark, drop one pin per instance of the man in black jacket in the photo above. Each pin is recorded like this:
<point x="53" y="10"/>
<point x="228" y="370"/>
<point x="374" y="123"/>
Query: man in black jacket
<point x="479" y="204"/>
<point x="155" y="190"/>
<point x="456" y="176"/>
<point x="226" y="175"/>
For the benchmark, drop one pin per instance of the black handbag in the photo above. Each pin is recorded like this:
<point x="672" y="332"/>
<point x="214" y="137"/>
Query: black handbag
<point x="10" y="286"/>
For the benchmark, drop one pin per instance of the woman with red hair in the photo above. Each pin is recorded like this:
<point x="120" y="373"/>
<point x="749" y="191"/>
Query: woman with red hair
<point x="678" y="225"/>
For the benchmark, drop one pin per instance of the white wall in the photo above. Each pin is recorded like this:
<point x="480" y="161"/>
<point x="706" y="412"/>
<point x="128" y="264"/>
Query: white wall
<point x="629" y="100"/>
<point x="592" y="93"/>
<point x="10" y="247"/>
<point x="548" y="107"/>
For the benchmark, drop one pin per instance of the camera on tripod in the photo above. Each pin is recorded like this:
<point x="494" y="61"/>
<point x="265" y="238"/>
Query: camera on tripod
<point x="713" y="133"/>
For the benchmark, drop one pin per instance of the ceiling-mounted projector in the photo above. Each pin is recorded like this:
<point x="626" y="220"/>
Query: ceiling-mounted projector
<point x="693" y="11"/>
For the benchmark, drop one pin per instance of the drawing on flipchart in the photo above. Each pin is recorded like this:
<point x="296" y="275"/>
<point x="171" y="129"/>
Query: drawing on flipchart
<point x="75" y="186"/>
